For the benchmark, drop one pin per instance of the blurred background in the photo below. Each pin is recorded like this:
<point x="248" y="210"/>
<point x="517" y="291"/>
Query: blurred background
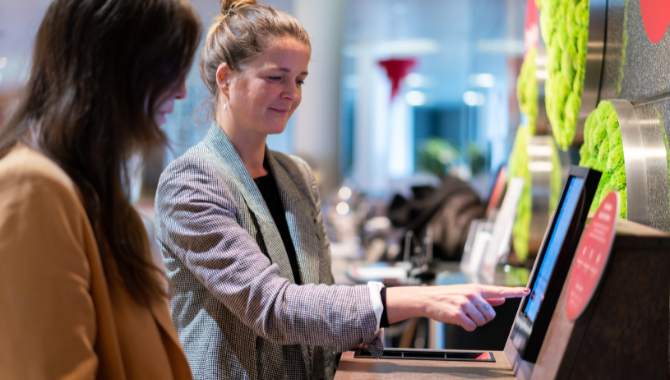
<point x="406" y="100"/>
<point x="459" y="94"/>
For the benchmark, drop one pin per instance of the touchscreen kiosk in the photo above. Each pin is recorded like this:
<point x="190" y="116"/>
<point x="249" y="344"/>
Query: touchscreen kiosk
<point x="553" y="261"/>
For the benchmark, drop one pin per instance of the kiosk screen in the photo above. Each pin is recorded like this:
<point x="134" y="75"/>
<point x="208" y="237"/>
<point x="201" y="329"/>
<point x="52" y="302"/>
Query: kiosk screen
<point x="554" y="247"/>
<point x="553" y="262"/>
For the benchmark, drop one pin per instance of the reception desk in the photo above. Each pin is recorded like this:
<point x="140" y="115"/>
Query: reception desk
<point x="359" y="369"/>
<point x="621" y="333"/>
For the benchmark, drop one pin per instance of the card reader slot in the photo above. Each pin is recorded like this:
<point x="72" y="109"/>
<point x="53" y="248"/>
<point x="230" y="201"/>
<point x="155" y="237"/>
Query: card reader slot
<point x="409" y="354"/>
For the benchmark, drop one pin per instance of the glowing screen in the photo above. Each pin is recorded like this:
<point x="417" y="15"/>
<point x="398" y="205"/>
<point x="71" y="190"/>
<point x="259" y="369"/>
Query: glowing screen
<point x="567" y="209"/>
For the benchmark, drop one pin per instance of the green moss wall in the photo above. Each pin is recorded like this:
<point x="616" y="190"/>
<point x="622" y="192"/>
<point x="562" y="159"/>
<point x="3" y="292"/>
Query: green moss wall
<point x="564" y="26"/>
<point x="526" y="89"/>
<point x="602" y="150"/>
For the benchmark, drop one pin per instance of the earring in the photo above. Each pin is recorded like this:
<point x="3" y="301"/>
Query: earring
<point x="225" y="106"/>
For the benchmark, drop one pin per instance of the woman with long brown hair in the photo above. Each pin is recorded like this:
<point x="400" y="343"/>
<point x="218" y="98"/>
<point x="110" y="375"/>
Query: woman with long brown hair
<point x="79" y="294"/>
<point x="241" y="229"/>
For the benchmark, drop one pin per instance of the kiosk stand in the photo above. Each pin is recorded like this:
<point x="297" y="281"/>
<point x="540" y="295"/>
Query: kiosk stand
<point x="609" y="319"/>
<point x="623" y="331"/>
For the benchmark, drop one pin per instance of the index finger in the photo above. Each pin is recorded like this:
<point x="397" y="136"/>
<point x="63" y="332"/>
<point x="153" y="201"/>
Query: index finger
<point x="490" y="291"/>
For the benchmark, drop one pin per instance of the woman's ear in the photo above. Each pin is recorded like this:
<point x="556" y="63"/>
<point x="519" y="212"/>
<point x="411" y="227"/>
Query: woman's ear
<point x="223" y="78"/>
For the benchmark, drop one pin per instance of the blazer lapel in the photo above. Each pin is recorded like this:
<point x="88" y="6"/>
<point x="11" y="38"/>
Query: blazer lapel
<point x="217" y="141"/>
<point x="301" y="227"/>
<point x="300" y="220"/>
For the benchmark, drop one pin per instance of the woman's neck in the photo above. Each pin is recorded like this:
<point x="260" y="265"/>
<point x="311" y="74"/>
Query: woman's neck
<point x="250" y="147"/>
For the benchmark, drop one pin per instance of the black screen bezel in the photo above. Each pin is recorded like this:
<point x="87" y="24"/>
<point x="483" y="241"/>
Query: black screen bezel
<point x="528" y="336"/>
<point x="545" y="244"/>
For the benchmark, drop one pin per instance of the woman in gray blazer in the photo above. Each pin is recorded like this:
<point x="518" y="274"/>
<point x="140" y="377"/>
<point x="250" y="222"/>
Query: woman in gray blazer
<point x="241" y="230"/>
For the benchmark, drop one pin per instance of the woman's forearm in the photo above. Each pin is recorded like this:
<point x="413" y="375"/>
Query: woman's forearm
<point x="468" y="306"/>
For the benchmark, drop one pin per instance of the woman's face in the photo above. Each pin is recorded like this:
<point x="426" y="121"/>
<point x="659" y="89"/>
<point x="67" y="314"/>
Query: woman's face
<point x="263" y="95"/>
<point x="165" y="103"/>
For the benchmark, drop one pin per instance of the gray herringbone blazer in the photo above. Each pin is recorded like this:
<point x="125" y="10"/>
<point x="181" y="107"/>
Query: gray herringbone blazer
<point x="236" y="307"/>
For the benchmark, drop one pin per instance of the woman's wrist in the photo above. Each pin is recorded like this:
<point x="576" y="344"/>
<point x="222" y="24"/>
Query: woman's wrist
<point x="404" y="302"/>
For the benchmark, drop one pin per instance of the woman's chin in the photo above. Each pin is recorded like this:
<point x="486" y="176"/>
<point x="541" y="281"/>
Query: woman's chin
<point x="276" y="129"/>
<point x="160" y="119"/>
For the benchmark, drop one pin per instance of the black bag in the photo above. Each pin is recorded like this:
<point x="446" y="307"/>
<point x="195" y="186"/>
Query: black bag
<point x="447" y="211"/>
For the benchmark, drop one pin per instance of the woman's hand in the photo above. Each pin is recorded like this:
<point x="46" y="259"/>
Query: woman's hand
<point x="468" y="306"/>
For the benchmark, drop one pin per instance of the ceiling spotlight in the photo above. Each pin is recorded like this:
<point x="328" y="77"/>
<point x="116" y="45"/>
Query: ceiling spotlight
<point x="407" y="47"/>
<point x="3" y="62"/>
<point x="342" y="208"/>
<point x="415" y="98"/>
<point x="473" y="98"/>
<point x="482" y="80"/>
<point x="415" y="80"/>
<point x="344" y="193"/>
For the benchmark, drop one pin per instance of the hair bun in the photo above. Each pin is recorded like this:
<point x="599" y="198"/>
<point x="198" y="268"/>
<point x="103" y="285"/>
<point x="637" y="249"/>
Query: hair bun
<point x="228" y="5"/>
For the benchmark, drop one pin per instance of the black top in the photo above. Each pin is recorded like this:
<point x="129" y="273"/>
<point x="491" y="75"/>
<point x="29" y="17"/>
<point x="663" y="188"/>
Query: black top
<point x="270" y="192"/>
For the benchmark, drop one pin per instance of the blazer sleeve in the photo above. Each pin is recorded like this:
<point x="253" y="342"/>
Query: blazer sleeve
<point x="199" y="222"/>
<point x="47" y="323"/>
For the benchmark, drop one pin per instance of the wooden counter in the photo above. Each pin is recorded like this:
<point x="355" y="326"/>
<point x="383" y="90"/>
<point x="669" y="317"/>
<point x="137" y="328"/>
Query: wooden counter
<point x="355" y="369"/>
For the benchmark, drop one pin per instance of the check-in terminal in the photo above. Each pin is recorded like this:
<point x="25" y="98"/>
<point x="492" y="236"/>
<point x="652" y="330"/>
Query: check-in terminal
<point x="600" y="274"/>
<point x="370" y="189"/>
<point x="598" y="306"/>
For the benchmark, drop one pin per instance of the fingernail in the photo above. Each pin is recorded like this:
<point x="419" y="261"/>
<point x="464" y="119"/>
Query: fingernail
<point x="526" y="290"/>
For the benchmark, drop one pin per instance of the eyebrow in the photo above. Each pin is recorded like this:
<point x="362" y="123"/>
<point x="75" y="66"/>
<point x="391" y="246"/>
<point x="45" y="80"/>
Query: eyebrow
<point x="284" y="69"/>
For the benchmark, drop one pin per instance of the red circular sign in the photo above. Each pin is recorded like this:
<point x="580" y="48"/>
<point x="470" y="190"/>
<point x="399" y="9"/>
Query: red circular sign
<point x="592" y="256"/>
<point x="655" y="18"/>
<point x="531" y="31"/>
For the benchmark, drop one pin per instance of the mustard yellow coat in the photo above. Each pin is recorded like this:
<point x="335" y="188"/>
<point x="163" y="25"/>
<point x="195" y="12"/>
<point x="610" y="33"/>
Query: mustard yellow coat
<point x="58" y="319"/>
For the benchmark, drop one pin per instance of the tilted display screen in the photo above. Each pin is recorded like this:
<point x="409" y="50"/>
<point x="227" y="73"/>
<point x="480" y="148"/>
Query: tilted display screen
<point x="566" y="212"/>
<point x="553" y="261"/>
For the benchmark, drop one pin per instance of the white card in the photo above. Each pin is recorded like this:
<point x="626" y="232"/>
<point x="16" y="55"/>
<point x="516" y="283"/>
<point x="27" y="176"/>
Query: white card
<point x="478" y="239"/>
<point x="502" y="229"/>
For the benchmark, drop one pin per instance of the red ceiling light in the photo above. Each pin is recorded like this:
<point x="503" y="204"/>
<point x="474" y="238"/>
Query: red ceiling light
<point x="397" y="70"/>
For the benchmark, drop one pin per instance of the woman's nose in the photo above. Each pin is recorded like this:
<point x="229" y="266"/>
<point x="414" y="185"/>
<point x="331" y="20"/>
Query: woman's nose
<point x="181" y="90"/>
<point x="292" y="92"/>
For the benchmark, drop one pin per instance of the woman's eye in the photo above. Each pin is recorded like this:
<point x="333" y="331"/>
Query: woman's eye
<point x="274" y="78"/>
<point x="300" y="82"/>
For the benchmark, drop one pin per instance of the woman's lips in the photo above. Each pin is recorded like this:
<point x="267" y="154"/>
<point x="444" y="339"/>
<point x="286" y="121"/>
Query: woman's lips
<point x="161" y="118"/>
<point x="279" y="110"/>
<point x="167" y="110"/>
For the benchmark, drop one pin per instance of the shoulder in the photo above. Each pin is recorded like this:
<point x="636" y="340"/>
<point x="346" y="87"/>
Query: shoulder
<point x="37" y="198"/>
<point x="199" y="165"/>
<point x="26" y="172"/>
<point x="191" y="163"/>
<point x="196" y="176"/>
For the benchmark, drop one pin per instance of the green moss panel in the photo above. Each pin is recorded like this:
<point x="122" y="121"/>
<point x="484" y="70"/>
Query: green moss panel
<point x="518" y="167"/>
<point x="565" y="30"/>
<point x="526" y="89"/>
<point x="602" y="150"/>
<point x="665" y="139"/>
